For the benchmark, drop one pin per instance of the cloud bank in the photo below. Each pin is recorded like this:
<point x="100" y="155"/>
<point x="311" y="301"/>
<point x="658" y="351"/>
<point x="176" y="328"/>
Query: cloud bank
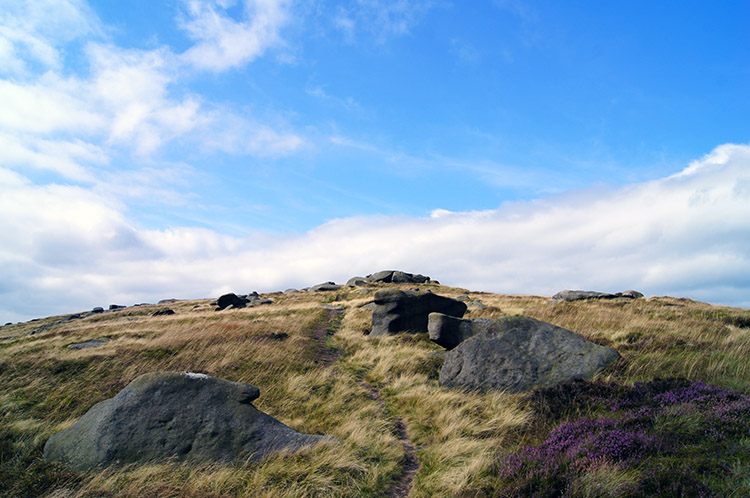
<point x="67" y="249"/>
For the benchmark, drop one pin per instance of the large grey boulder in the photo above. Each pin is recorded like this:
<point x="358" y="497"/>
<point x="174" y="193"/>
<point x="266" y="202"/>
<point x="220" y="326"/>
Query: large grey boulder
<point x="398" y="311"/>
<point x="166" y="415"/>
<point x="518" y="354"/>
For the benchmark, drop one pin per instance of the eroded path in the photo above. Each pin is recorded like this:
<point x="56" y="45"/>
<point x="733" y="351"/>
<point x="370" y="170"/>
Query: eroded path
<point x="402" y="486"/>
<point x="327" y="355"/>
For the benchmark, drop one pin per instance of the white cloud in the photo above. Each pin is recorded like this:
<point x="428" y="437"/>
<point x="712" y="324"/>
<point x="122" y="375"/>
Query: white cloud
<point x="223" y="42"/>
<point x="34" y="31"/>
<point x="684" y="235"/>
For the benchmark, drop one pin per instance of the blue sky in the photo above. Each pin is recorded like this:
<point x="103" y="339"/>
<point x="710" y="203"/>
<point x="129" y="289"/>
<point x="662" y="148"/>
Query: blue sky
<point x="188" y="147"/>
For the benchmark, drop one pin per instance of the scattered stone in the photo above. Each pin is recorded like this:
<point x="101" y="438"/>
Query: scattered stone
<point x="262" y="301"/>
<point x="407" y="311"/>
<point x="476" y="305"/>
<point x="230" y="299"/>
<point x="167" y="301"/>
<point x="463" y="298"/>
<point x="291" y="291"/>
<point x="89" y="344"/>
<point x="165" y="312"/>
<point x="518" y="354"/>
<point x="171" y="415"/>
<point x="326" y="286"/>
<point x="113" y="307"/>
<point x="98" y="309"/>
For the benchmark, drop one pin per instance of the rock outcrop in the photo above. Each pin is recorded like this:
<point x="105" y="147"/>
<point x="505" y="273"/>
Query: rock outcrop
<point x="184" y="416"/>
<point x="397" y="277"/>
<point x="517" y="354"/>
<point x="579" y="295"/>
<point x="398" y="311"/>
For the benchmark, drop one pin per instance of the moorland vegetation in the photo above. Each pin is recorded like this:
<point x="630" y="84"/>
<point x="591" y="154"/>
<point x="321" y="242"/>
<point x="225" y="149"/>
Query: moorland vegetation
<point x="671" y="417"/>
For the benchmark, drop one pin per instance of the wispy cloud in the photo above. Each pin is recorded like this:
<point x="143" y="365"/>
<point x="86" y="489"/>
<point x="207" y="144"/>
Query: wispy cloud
<point x="681" y="235"/>
<point x="31" y="32"/>
<point x="379" y="18"/>
<point x="347" y="103"/>
<point x="223" y="42"/>
<point x="129" y="99"/>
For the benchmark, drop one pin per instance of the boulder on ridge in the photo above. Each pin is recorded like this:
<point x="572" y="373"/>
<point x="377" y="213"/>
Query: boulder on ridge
<point x="518" y="354"/>
<point x="228" y="300"/>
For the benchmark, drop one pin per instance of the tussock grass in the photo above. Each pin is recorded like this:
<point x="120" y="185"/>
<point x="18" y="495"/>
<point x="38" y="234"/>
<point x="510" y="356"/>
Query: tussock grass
<point x="361" y="399"/>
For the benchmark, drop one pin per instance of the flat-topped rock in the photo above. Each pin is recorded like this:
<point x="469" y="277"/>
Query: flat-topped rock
<point x="325" y="286"/>
<point x="579" y="295"/>
<point x="397" y="311"/>
<point x="172" y="415"/>
<point x="93" y="343"/>
<point x="518" y="354"/>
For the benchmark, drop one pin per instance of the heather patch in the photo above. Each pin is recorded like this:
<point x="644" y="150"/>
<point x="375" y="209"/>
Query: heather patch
<point x="667" y="437"/>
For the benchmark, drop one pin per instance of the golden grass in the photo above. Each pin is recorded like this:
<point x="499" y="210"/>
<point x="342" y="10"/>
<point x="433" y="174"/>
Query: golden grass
<point x="360" y="399"/>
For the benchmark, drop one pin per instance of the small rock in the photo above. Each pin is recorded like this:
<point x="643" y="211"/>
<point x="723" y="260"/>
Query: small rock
<point x="164" y="312"/>
<point x="631" y="294"/>
<point x="98" y="309"/>
<point x="89" y="344"/>
<point x="113" y="307"/>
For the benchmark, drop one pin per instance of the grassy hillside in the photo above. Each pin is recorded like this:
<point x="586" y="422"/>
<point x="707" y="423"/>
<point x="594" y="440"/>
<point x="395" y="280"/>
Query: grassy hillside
<point x="400" y="432"/>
